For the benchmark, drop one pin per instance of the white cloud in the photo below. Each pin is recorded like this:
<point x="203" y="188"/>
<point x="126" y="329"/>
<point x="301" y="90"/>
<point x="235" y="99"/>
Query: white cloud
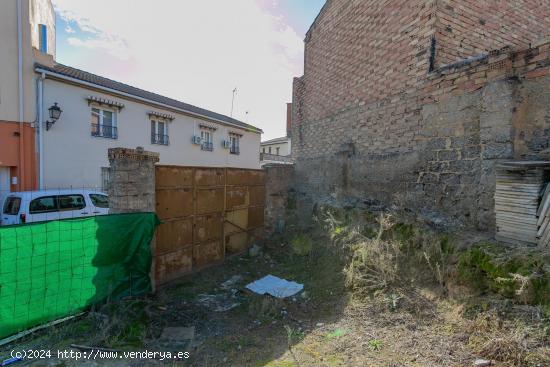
<point x="69" y="29"/>
<point x="195" y="51"/>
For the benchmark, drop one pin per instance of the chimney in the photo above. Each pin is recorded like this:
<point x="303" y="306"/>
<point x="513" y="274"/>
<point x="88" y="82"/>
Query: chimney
<point x="288" y="119"/>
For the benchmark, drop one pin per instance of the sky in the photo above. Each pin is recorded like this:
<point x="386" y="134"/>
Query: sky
<point x="196" y="51"/>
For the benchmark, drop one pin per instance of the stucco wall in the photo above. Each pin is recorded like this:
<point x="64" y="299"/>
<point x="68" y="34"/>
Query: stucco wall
<point x="71" y="137"/>
<point x="284" y="148"/>
<point x="9" y="100"/>
<point x="10" y="150"/>
<point x="33" y="12"/>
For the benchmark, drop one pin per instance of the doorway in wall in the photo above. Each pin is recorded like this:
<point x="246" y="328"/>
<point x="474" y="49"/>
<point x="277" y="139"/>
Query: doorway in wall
<point x="4" y="183"/>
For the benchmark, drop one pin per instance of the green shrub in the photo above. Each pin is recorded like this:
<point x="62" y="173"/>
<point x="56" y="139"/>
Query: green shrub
<point x="301" y="245"/>
<point x="522" y="277"/>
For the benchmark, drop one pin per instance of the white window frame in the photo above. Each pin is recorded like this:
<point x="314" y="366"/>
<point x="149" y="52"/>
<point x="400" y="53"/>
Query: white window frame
<point x="235" y="144"/>
<point x="207" y="138"/>
<point x="156" y="120"/>
<point x="101" y="118"/>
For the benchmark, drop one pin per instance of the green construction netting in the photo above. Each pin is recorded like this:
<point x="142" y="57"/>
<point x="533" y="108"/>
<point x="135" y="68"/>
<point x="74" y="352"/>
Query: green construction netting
<point x="49" y="270"/>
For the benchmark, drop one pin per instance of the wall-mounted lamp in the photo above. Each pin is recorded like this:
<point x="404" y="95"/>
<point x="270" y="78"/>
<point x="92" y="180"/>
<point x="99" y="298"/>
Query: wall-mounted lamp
<point x="55" y="113"/>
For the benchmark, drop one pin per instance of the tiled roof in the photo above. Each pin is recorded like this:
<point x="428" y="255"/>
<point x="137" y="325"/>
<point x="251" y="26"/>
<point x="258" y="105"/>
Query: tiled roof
<point x="276" y="140"/>
<point x="128" y="89"/>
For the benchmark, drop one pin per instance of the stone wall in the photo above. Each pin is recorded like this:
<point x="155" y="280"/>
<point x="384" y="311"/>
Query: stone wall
<point x="132" y="180"/>
<point x="432" y="149"/>
<point x="278" y="181"/>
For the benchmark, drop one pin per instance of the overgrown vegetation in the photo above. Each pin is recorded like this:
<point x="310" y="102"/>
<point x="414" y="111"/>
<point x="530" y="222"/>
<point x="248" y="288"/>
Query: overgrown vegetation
<point x="522" y="276"/>
<point x="373" y="285"/>
<point x="384" y="255"/>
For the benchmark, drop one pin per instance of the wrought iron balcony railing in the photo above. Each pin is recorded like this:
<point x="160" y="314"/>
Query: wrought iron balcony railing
<point x="209" y="146"/>
<point x="159" y="139"/>
<point x="104" y="131"/>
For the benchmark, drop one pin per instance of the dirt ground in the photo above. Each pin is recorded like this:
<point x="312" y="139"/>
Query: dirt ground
<point x="325" y="325"/>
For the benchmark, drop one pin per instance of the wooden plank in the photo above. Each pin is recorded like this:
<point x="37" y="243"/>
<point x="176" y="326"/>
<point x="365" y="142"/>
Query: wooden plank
<point x="544" y="201"/>
<point x="543" y="208"/>
<point x="542" y="228"/>
<point x="519" y="210"/>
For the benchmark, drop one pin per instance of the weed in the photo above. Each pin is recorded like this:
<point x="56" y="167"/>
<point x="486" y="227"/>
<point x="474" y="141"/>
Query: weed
<point x="375" y="344"/>
<point x="293" y="337"/>
<point x="301" y="245"/>
<point x="393" y="301"/>
<point x="523" y="277"/>
<point x="336" y="333"/>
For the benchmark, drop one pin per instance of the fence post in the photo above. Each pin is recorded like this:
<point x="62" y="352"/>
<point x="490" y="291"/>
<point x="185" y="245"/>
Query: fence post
<point x="132" y="185"/>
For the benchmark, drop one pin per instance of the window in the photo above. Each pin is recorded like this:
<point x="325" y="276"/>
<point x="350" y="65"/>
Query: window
<point x="278" y="150"/>
<point x="43" y="38"/>
<point x="105" y="178"/>
<point x="71" y="202"/>
<point x="269" y="150"/>
<point x="207" y="140"/>
<point x="263" y="150"/>
<point x="11" y="206"/>
<point x="234" y="142"/>
<point x="159" y="132"/>
<point x="104" y="123"/>
<point x="100" y="201"/>
<point x="44" y="204"/>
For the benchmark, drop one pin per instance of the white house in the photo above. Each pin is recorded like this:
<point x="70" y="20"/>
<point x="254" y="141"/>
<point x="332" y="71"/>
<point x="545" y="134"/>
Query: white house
<point x="99" y="113"/>
<point x="278" y="150"/>
<point x="96" y="113"/>
<point x="278" y="146"/>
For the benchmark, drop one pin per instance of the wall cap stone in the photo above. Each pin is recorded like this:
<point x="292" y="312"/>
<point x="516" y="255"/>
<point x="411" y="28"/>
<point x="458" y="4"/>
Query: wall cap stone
<point x="133" y="154"/>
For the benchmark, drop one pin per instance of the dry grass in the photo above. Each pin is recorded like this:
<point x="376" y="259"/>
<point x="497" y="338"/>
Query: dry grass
<point x="376" y="295"/>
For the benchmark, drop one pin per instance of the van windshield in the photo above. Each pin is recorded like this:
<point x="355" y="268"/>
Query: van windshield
<point x="100" y="201"/>
<point x="11" y="206"/>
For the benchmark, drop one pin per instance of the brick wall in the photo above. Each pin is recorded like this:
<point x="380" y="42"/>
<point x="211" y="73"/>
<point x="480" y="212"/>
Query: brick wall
<point x="430" y="145"/>
<point x="470" y="27"/>
<point x="361" y="51"/>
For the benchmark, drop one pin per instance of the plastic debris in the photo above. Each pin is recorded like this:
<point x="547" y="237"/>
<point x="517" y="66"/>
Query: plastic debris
<point x="275" y="286"/>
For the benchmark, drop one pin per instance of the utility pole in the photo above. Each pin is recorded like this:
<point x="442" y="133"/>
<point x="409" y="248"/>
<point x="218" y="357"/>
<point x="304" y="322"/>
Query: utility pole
<point x="233" y="101"/>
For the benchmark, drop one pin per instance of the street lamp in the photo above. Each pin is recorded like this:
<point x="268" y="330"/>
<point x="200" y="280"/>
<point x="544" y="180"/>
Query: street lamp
<point x="55" y="113"/>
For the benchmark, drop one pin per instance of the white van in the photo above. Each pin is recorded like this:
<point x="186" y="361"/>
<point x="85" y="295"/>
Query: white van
<point x="38" y="206"/>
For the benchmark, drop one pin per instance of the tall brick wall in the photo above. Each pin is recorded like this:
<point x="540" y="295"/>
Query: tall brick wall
<point x="361" y="51"/>
<point x="470" y="27"/>
<point x="431" y="146"/>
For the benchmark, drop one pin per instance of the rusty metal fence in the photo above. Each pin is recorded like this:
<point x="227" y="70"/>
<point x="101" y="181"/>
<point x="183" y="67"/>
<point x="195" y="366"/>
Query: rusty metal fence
<point x="207" y="214"/>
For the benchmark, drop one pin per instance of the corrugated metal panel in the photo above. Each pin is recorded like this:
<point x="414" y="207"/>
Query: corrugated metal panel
<point x="207" y="254"/>
<point x="208" y="227"/>
<point x="237" y="196"/>
<point x="174" y="234"/>
<point x="173" y="265"/>
<point x="206" y="213"/>
<point x="209" y="200"/>
<point x="176" y="203"/>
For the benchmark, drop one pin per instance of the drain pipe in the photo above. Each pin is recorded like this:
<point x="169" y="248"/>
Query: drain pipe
<point x="41" y="129"/>
<point x="21" y="170"/>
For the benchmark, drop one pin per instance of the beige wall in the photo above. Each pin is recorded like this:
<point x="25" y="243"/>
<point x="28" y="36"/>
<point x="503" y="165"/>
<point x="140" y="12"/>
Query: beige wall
<point x="284" y="148"/>
<point x="72" y="157"/>
<point x="33" y="12"/>
<point x="9" y="100"/>
<point x="42" y="12"/>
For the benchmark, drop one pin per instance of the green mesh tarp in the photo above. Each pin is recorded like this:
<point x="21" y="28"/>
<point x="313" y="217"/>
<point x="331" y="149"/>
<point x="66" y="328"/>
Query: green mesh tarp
<point x="54" y="269"/>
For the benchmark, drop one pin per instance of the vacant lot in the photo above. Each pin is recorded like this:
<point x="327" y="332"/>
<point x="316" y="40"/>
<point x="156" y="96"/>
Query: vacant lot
<point x="377" y="293"/>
